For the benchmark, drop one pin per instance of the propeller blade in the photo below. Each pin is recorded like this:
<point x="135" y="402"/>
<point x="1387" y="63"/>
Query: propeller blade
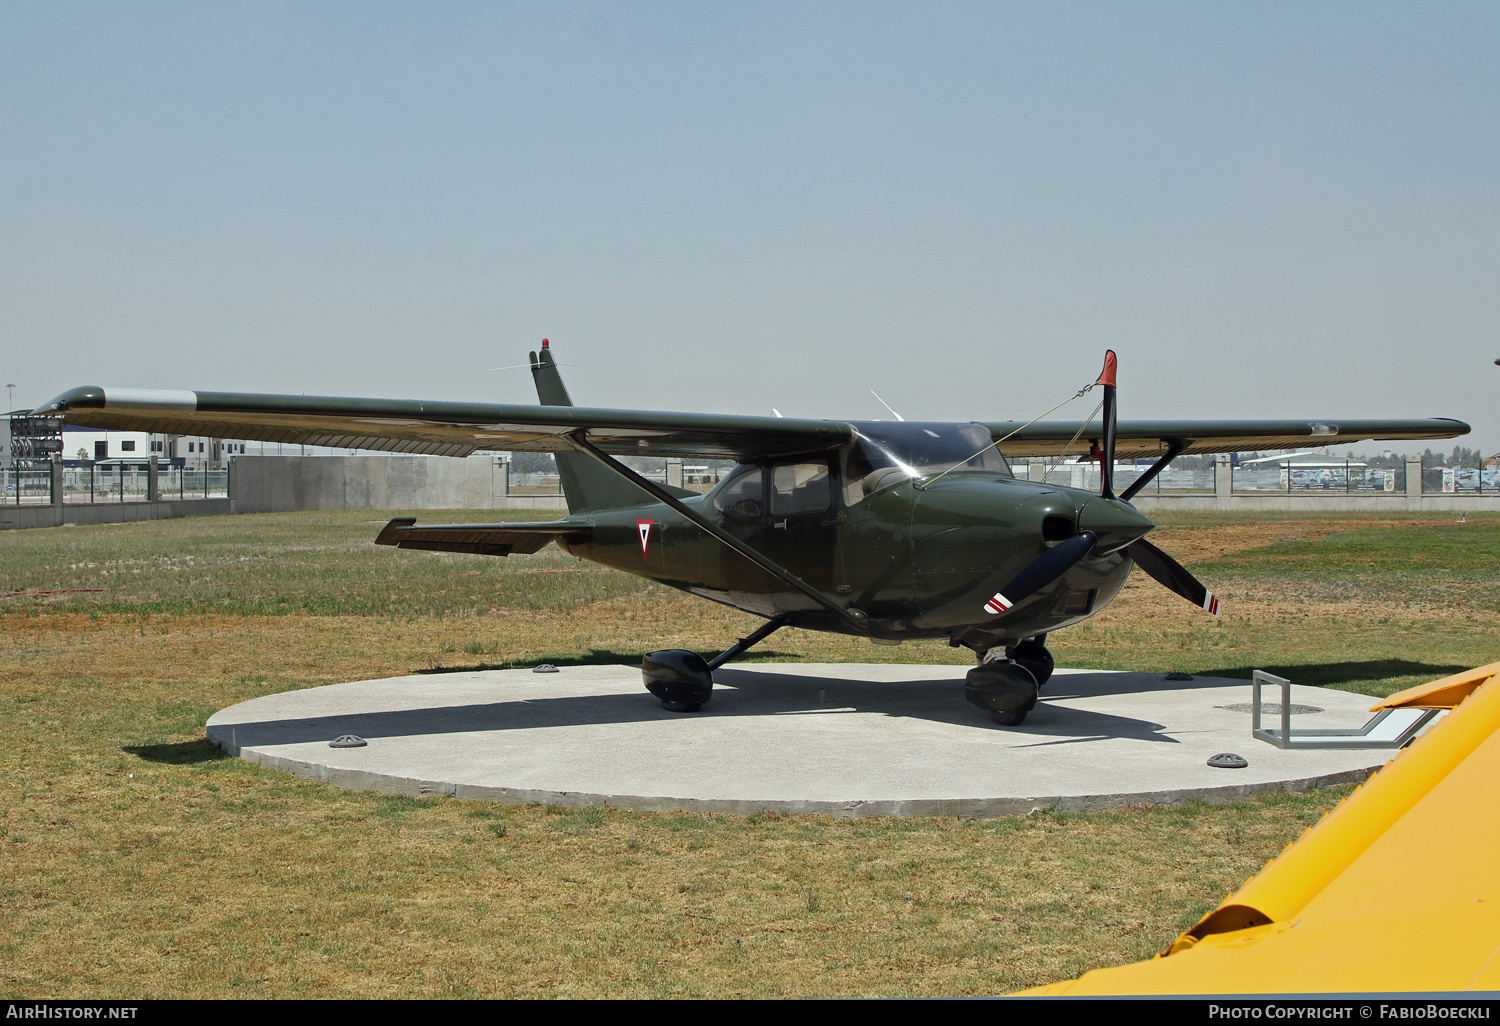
<point x="1040" y="572"/>
<point x="1107" y="458"/>
<point x="1170" y="574"/>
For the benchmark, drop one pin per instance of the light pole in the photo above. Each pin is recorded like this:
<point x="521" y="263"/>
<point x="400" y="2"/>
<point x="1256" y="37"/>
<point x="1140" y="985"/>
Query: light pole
<point x="10" y="401"/>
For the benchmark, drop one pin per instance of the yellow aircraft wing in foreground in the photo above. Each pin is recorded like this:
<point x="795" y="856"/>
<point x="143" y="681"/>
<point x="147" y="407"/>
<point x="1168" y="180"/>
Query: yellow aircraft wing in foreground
<point x="1396" y="890"/>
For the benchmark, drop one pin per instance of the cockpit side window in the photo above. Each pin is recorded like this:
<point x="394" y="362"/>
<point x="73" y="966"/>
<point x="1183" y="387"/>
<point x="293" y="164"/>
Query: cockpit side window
<point x="798" y="488"/>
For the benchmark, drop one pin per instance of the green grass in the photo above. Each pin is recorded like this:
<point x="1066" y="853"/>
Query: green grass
<point x="142" y="862"/>
<point x="321" y="564"/>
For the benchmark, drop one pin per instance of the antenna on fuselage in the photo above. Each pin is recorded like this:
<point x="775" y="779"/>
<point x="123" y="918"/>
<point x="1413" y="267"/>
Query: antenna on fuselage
<point x="886" y="405"/>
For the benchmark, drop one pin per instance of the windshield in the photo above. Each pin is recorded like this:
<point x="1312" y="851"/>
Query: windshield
<point x="885" y="453"/>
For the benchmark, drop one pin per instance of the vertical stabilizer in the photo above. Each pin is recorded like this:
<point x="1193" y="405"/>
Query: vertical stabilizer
<point x="587" y="485"/>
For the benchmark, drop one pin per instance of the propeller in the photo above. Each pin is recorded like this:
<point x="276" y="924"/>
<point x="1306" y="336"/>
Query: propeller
<point x="1041" y="571"/>
<point x="1165" y="570"/>
<point x="1107" y="457"/>
<point x="1172" y="575"/>
<point x="1110" y="520"/>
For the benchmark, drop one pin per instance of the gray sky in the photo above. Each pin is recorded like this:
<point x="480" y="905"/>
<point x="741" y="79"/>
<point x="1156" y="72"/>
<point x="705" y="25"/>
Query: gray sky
<point x="1267" y="209"/>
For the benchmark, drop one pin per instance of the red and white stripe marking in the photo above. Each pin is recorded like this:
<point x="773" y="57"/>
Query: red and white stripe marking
<point x="1211" y="603"/>
<point x="997" y="605"/>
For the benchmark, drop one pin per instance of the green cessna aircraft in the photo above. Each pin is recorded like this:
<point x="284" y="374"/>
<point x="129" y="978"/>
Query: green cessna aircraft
<point x="887" y="530"/>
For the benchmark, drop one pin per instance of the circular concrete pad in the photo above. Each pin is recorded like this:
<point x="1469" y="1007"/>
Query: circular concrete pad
<point x="836" y="738"/>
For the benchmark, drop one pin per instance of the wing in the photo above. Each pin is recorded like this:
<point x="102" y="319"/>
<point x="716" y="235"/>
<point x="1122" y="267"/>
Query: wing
<point x="458" y="429"/>
<point x="481" y="539"/>
<point x="442" y="428"/>
<point x="1389" y="892"/>
<point x="1152" y="437"/>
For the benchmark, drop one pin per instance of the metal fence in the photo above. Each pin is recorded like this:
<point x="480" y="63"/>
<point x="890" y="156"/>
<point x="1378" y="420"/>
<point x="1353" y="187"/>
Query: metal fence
<point x="697" y="478"/>
<point x="1085" y="476"/>
<point x="1343" y="479"/>
<point x="110" y="483"/>
<point x="534" y="484"/>
<point x="1460" y="481"/>
<point x="25" y="487"/>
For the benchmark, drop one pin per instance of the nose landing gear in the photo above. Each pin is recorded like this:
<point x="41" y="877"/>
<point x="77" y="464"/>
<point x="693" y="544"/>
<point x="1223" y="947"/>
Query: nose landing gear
<point x="1032" y="654"/>
<point x="1006" y="689"/>
<point x="1007" y="686"/>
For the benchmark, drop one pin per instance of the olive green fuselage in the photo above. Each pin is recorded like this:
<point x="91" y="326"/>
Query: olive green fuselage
<point x="915" y="559"/>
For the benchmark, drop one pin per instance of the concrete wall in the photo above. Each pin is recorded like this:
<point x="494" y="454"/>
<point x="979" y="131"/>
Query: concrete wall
<point x="270" y="484"/>
<point x="54" y="515"/>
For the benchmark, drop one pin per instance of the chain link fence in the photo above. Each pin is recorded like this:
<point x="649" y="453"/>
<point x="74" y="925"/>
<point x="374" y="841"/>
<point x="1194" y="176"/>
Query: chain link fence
<point x="109" y="483"/>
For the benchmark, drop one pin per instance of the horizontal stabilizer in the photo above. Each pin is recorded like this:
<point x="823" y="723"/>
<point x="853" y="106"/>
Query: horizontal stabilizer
<point x="480" y="539"/>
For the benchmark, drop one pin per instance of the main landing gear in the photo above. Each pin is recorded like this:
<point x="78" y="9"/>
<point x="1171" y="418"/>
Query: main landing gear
<point x="684" y="680"/>
<point x="1007" y="682"/>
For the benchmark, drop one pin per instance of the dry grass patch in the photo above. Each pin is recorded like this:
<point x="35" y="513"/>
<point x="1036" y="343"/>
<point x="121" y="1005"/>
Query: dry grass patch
<point x="139" y="861"/>
<point x="217" y="880"/>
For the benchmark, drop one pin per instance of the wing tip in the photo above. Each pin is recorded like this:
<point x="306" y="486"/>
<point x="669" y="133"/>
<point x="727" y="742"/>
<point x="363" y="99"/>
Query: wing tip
<point x="84" y="397"/>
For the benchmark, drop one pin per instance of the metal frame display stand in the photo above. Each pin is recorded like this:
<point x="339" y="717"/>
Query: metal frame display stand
<point x="1389" y="728"/>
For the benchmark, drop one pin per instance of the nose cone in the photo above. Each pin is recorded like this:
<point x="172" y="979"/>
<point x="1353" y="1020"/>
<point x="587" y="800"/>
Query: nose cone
<point x="1114" y="522"/>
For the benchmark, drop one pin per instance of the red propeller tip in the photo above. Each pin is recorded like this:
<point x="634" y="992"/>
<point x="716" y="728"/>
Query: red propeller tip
<point x="1107" y="376"/>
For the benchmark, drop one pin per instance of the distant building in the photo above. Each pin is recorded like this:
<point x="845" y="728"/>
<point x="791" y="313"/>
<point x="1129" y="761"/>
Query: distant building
<point x="94" y="445"/>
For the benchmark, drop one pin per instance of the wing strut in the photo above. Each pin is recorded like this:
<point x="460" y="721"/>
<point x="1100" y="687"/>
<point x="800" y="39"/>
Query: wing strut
<point x="1174" y="450"/>
<point x="853" y="616"/>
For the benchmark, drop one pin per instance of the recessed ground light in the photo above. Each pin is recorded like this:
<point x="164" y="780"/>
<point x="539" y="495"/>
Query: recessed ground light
<point x="1271" y="708"/>
<point x="1228" y="760"/>
<point x="544" y="668"/>
<point x="348" y="741"/>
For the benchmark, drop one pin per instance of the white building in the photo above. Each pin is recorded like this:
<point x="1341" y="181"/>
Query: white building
<point x="81" y="444"/>
<point x="85" y="444"/>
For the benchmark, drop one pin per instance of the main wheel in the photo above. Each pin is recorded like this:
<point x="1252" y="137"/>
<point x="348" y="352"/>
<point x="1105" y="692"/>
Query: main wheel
<point x="1033" y="655"/>
<point x="679" y="678"/>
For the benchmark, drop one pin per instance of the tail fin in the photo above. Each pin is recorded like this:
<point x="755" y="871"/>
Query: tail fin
<point x="587" y="485"/>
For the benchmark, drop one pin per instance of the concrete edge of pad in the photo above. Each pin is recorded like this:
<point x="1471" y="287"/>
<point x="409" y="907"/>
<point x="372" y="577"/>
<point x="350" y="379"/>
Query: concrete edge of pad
<point x="966" y="808"/>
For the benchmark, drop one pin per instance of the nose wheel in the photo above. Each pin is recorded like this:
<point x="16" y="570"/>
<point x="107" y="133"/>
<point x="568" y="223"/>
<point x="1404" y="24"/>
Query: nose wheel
<point x="1032" y="654"/>
<point x="1006" y="689"/>
<point x="1008" y="686"/>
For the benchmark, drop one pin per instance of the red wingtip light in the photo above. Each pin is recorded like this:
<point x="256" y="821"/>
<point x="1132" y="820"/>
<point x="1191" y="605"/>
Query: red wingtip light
<point x="1107" y="376"/>
<point x="544" y="344"/>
